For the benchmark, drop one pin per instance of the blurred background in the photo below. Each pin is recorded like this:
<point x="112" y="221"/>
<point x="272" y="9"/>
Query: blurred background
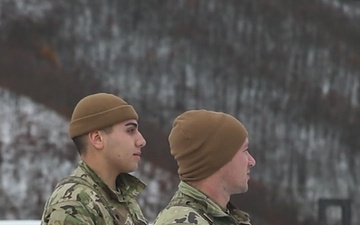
<point x="289" y="70"/>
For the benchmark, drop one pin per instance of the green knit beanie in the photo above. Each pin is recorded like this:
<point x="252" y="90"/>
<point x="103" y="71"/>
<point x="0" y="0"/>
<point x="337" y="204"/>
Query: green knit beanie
<point x="99" y="111"/>
<point x="203" y="141"/>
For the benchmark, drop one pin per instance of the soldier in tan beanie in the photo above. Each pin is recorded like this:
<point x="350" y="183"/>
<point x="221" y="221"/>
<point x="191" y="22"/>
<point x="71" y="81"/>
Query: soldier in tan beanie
<point x="211" y="150"/>
<point x="105" y="131"/>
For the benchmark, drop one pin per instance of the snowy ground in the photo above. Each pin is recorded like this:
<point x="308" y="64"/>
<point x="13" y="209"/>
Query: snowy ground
<point x="19" y="222"/>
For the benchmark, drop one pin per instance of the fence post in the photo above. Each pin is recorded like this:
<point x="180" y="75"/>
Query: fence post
<point x="344" y="204"/>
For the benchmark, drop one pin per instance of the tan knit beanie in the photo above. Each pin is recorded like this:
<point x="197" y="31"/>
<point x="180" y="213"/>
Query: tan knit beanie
<point x="99" y="111"/>
<point x="203" y="141"/>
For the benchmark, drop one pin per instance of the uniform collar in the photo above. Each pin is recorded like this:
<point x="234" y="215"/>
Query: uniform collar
<point x="127" y="185"/>
<point x="210" y="207"/>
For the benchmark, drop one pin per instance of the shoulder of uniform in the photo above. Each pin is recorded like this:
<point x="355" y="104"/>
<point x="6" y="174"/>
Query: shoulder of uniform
<point x="73" y="192"/>
<point x="66" y="204"/>
<point x="66" y="212"/>
<point x="180" y="215"/>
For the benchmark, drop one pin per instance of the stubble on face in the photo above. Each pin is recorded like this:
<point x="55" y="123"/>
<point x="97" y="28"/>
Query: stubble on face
<point x="237" y="171"/>
<point x="122" y="150"/>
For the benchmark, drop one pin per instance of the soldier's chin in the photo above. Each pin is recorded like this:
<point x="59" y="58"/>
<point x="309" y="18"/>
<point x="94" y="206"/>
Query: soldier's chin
<point x="243" y="189"/>
<point x="132" y="169"/>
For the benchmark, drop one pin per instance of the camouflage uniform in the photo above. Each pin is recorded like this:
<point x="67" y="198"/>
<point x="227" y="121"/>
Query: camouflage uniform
<point x="190" y="206"/>
<point x="83" y="198"/>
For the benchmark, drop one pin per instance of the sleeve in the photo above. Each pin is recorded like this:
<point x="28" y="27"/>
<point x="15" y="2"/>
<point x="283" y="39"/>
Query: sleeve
<point x="67" y="213"/>
<point x="180" y="215"/>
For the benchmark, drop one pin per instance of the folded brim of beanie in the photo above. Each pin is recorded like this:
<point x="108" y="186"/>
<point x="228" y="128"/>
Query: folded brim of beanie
<point x="101" y="120"/>
<point x="98" y="111"/>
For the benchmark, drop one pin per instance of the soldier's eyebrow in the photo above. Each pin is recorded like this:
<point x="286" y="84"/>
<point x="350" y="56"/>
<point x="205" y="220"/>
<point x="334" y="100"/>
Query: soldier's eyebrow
<point x="246" y="146"/>
<point x="131" y="124"/>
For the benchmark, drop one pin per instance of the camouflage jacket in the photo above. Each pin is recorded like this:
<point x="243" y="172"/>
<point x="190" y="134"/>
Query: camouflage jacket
<point x="83" y="198"/>
<point x="190" y="206"/>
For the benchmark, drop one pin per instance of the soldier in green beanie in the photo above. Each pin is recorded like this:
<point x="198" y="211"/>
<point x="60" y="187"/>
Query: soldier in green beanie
<point x="211" y="150"/>
<point x="100" y="190"/>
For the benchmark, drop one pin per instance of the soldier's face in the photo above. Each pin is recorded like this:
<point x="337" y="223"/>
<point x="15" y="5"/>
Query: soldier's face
<point x="236" y="173"/>
<point x="123" y="146"/>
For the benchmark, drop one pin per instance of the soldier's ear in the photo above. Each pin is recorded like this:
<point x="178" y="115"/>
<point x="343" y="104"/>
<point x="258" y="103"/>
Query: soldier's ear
<point x="96" y="139"/>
